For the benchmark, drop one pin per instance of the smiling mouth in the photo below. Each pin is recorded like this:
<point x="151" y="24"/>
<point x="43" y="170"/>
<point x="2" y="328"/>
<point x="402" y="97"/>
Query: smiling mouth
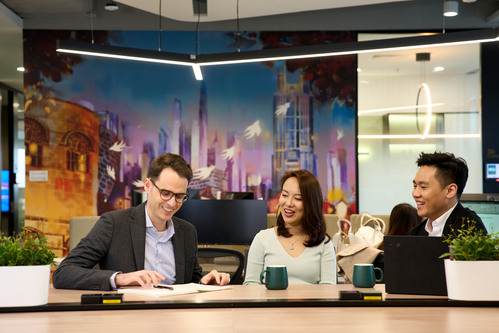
<point x="288" y="212"/>
<point x="167" y="210"/>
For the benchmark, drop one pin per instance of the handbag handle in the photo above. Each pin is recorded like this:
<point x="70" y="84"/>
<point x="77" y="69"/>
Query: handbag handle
<point x="379" y="224"/>
<point x="341" y="232"/>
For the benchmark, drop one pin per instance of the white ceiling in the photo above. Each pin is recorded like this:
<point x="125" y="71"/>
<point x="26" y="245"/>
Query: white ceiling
<point x="456" y="59"/>
<point x="362" y="15"/>
<point x="221" y="10"/>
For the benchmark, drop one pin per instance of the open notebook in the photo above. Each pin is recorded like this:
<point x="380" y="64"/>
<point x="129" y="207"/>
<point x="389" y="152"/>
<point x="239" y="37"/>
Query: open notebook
<point x="178" y="289"/>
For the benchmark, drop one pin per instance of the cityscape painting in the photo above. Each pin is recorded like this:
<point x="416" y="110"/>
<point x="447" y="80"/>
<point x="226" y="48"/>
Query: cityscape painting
<point x="95" y="124"/>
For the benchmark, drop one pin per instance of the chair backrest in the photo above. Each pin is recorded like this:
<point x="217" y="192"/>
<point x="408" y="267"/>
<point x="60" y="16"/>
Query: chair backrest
<point x="355" y="221"/>
<point x="271" y="220"/>
<point x="79" y="227"/>
<point x="222" y="260"/>
<point x="331" y="223"/>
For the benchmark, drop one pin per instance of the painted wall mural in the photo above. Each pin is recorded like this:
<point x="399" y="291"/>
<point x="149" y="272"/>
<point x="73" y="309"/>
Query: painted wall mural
<point x="95" y="124"/>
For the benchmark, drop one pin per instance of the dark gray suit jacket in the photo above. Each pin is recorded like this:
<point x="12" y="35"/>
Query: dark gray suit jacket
<point x="117" y="243"/>
<point x="454" y="222"/>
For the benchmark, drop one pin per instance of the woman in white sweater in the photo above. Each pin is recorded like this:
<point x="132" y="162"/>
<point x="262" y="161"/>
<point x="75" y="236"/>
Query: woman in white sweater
<point x="299" y="240"/>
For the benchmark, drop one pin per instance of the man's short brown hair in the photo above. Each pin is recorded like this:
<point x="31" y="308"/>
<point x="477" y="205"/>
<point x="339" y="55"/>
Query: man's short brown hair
<point x="173" y="161"/>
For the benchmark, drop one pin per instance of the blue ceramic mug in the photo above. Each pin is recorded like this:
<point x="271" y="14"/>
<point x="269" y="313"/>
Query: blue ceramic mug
<point x="276" y="277"/>
<point x="363" y="275"/>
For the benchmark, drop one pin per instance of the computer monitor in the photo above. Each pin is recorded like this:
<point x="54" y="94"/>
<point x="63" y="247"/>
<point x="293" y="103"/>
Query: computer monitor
<point x="239" y="195"/>
<point x="5" y="191"/>
<point x="491" y="172"/>
<point x="138" y="197"/>
<point x="194" y="194"/>
<point x="488" y="211"/>
<point x="225" y="221"/>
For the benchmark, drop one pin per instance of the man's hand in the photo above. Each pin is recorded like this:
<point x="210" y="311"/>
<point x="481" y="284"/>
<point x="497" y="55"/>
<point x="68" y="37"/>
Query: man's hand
<point x="143" y="278"/>
<point x="214" y="277"/>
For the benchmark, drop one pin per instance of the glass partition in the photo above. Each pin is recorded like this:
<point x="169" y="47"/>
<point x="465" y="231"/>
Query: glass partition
<point x="394" y="126"/>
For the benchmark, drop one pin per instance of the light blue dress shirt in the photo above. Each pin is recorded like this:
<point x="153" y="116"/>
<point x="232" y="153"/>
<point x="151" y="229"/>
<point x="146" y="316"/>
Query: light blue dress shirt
<point x="159" y="255"/>
<point x="159" y="251"/>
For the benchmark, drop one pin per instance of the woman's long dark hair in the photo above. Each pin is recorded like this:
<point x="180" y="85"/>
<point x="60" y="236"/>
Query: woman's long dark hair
<point x="314" y="224"/>
<point x="402" y="219"/>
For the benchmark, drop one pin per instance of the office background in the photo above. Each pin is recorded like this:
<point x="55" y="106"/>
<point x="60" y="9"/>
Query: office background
<point x="385" y="167"/>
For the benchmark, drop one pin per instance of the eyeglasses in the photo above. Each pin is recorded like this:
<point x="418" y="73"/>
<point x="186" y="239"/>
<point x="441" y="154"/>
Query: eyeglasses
<point x="167" y="195"/>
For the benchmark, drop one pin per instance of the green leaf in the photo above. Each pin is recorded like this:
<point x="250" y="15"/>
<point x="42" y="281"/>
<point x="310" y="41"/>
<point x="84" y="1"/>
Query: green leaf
<point x="467" y="244"/>
<point x="27" y="248"/>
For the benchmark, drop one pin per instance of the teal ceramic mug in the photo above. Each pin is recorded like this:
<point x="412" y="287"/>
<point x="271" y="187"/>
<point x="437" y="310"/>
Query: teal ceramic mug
<point x="276" y="277"/>
<point x="363" y="275"/>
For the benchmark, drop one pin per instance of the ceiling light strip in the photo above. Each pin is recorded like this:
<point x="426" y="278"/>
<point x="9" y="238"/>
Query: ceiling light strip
<point x="197" y="72"/>
<point x="125" y="53"/>
<point x="410" y="107"/>
<point x="202" y="61"/>
<point x="428" y="111"/>
<point x="419" y="136"/>
<point x="324" y="50"/>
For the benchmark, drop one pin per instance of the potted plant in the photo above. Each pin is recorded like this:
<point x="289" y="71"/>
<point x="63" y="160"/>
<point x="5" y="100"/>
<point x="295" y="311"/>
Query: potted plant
<point x="473" y="266"/>
<point x="25" y="262"/>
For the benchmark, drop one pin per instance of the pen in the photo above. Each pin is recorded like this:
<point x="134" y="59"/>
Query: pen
<point x="163" y="287"/>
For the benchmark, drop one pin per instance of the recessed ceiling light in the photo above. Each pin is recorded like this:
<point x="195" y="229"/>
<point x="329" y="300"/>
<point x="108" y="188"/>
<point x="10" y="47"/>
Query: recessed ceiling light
<point x="112" y="6"/>
<point x="451" y="8"/>
<point x="438" y="69"/>
<point x="359" y="70"/>
<point x="20" y="69"/>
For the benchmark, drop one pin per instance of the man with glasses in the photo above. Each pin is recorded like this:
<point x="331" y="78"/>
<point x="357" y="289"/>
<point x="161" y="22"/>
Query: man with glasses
<point x="143" y="245"/>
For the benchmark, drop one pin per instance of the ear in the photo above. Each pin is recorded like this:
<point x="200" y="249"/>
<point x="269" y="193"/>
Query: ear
<point x="147" y="185"/>
<point x="451" y="191"/>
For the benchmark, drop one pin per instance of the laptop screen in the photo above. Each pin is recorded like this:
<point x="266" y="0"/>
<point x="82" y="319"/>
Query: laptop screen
<point x="412" y="265"/>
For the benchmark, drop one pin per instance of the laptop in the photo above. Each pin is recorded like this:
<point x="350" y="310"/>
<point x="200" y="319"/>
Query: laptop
<point x="412" y="265"/>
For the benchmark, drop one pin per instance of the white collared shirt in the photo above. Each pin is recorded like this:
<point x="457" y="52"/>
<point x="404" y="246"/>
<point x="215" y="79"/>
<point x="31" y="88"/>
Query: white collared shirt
<point x="439" y="223"/>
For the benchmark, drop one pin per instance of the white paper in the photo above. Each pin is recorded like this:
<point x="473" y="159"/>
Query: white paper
<point x="178" y="289"/>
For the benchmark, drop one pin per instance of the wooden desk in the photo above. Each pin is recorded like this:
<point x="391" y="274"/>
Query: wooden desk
<point x="240" y="293"/>
<point x="254" y="319"/>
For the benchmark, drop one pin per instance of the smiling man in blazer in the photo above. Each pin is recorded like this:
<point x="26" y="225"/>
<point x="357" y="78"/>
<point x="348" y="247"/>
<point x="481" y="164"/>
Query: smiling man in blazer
<point x="143" y="245"/>
<point x="438" y="185"/>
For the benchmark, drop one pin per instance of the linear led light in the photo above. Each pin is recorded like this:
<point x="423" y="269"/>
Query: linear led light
<point x="197" y="72"/>
<point x="324" y="50"/>
<point x="126" y="53"/>
<point x="428" y="111"/>
<point x="410" y="107"/>
<point x="419" y="136"/>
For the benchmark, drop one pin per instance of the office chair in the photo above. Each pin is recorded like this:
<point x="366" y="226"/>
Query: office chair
<point x="79" y="227"/>
<point x="222" y="260"/>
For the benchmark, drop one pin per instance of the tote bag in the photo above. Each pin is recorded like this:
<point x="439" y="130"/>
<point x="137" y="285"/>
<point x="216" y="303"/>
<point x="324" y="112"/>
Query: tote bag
<point x="370" y="235"/>
<point x="344" y="237"/>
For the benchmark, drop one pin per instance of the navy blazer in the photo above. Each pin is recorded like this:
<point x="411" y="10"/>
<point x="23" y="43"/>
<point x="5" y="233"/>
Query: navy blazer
<point x="117" y="243"/>
<point x="455" y="222"/>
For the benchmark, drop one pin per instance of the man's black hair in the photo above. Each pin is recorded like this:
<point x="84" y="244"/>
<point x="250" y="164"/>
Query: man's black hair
<point x="450" y="169"/>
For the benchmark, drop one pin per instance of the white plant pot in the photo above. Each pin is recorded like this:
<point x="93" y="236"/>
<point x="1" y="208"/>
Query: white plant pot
<point x="472" y="280"/>
<point x="24" y="285"/>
